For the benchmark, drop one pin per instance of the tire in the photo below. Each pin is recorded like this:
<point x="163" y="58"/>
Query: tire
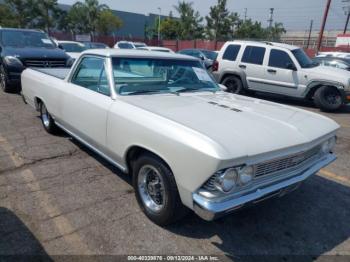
<point x="234" y="84"/>
<point x="328" y="98"/>
<point x="47" y="120"/>
<point x="156" y="190"/>
<point x="4" y="80"/>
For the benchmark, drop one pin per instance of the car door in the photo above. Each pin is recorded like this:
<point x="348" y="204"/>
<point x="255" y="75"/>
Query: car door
<point x="281" y="76"/>
<point x="87" y="100"/>
<point x="252" y="65"/>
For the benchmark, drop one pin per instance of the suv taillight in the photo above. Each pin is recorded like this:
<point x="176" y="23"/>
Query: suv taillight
<point x="215" y="66"/>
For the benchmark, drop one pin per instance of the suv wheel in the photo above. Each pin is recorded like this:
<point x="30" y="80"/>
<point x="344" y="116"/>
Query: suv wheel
<point x="156" y="190"/>
<point x="3" y="79"/>
<point x="234" y="84"/>
<point x="328" y="98"/>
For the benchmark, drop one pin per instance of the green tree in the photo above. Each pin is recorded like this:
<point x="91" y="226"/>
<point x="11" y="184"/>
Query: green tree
<point x="221" y="23"/>
<point x="108" y="22"/>
<point x="22" y="11"/>
<point x="7" y="17"/>
<point x="274" y="33"/>
<point x="190" y="21"/>
<point x="47" y="14"/>
<point x="251" y="30"/>
<point x="170" y="27"/>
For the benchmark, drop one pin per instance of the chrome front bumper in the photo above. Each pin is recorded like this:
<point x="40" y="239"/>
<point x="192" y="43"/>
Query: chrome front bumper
<point x="211" y="209"/>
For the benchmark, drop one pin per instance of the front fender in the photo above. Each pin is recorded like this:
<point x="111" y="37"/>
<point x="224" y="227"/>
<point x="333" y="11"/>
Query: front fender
<point x="312" y="86"/>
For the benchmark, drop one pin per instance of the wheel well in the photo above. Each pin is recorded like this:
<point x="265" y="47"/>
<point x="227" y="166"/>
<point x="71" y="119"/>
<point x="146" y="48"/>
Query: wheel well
<point x="313" y="90"/>
<point x="37" y="102"/>
<point x="136" y="151"/>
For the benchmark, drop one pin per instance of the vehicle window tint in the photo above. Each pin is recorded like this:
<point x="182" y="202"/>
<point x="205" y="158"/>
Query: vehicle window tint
<point x="279" y="59"/>
<point x="254" y="55"/>
<point x="231" y="52"/>
<point x="91" y="74"/>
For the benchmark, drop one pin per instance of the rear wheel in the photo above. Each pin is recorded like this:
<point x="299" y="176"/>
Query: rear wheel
<point x="156" y="190"/>
<point x="234" y="84"/>
<point x="328" y="98"/>
<point x="47" y="120"/>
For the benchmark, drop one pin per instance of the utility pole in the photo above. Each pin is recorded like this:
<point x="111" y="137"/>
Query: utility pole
<point x="310" y="31"/>
<point x="325" y="15"/>
<point x="347" y="13"/>
<point x="271" y="17"/>
<point x="160" y="10"/>
<point x="245" y="14"/>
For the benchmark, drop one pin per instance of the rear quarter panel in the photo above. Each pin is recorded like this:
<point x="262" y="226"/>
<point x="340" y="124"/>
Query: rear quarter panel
<point x="37" y="85"/>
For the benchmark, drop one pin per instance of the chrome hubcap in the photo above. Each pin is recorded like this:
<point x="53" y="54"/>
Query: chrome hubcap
<point x="151" y="188"/>
<point x="45" y="116"/>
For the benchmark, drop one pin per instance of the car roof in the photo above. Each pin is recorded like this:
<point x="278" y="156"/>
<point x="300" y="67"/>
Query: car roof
<point x="136" y="53"/>
<point x="21" y="30"/>
<point x="264" y="44"/>
<point x="347" y="60"/>
<point x="69" y="42"/>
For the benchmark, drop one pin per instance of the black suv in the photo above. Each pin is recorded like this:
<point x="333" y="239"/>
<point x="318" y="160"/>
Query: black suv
<point x="21" y="48"/>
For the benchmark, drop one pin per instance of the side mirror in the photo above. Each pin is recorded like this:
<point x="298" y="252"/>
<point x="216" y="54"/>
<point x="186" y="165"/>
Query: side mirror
<point x="60" y="47"/>
<point x="202" y="57"/>
<point x="291" y="66"/>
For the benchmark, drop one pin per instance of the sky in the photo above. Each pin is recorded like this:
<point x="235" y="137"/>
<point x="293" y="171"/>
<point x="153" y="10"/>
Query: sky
<point x="294" y="14"/>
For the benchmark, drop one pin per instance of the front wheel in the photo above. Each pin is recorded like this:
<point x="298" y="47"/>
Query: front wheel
<point x="328" y="98"/>
<point x="4" y="79"/>
<point x="156" y="190"/>
<point x="234" y="84"/>
<point x="47" y="120"/>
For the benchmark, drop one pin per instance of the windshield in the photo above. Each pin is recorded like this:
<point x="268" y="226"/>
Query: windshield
<point x="210" y="54"/>
<point x="137" y="45"/>
<point x="73" y="47"/>
<point x="125" y="46"/>
<point x="22" y="39"/>
<point x="148" y="75"/>
<point x="303" y="59"/>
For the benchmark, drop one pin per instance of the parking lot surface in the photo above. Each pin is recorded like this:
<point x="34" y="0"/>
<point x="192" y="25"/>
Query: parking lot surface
<point x="57" y="197"/>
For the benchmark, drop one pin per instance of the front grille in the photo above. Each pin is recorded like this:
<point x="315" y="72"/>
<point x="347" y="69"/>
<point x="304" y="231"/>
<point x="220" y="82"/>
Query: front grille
<point x="209" y="185"/>
<point x="280" y="164"/>
<point x="45" y="63"/>
<point x="273" y="166"/>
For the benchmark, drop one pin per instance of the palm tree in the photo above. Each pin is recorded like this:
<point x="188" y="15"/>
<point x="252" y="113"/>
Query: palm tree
<point x="93" y="10"/>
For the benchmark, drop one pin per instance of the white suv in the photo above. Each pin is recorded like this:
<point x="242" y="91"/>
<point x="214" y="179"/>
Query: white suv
<point x="280" y="69"/>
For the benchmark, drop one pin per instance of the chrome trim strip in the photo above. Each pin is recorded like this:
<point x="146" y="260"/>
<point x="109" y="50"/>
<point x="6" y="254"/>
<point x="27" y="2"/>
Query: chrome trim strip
<point x="210" y="210"/>
<point x="92" y="148"/>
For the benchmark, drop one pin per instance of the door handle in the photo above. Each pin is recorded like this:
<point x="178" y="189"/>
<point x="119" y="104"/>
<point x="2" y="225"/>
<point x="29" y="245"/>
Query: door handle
<point x="271" y="71"/>
<point x="243" y="66"/>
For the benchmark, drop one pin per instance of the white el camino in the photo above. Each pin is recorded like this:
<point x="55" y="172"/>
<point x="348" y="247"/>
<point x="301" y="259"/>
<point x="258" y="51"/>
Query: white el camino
<point x="187" y="144"/>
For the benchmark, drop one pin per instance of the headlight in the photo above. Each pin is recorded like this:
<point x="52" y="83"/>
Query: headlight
<point x="329" y="145"/>
<point x="14" y="61"/>
<point x="246" y="175"/>
<point x="226" y="181"/>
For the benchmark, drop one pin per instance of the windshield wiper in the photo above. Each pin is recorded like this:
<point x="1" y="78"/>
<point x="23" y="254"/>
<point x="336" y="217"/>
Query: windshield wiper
<point x="191" y="89"/>
<point x="141" y="92"/>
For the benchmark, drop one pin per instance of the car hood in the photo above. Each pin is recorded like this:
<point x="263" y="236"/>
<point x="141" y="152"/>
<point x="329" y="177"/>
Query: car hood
<point x="231" y="121"/>
<point x="329" y="73"/>
<point x="30" y="52"/>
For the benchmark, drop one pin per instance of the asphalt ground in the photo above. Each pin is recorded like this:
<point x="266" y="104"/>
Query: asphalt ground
<point x="59" y="198"/>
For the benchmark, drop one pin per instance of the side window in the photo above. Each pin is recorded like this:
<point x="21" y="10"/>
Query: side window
<point x="254" y="55"/>
<point x="231" y="52"/>
<point x="91" y="74"/>
<point x="341" y="65"/>
<point x="279" y="59"/>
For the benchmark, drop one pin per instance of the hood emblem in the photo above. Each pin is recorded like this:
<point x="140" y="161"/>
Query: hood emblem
<point x="225" y="106"/>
